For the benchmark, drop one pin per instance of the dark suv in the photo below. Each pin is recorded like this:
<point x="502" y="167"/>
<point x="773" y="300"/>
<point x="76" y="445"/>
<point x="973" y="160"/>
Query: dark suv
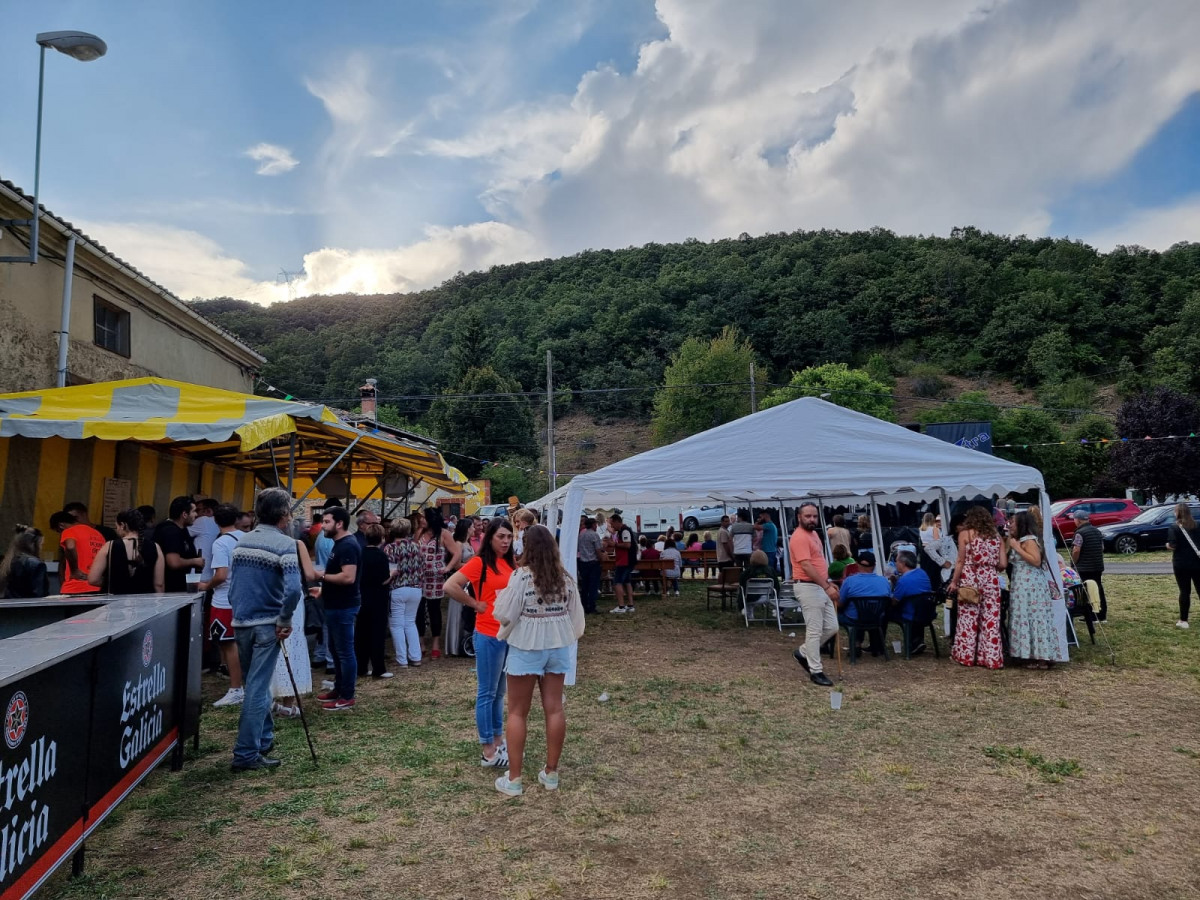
<point x="1102" y="510"/>
<point x="1146" y="532"/>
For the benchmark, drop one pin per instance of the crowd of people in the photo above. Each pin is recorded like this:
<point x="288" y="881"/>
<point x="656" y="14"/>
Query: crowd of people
<point x="333" y="592"/>
<point x="993" y="569"/>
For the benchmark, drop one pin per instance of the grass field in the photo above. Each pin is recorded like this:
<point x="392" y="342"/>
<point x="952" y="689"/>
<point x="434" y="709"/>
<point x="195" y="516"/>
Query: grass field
<point x="714" y="770"/>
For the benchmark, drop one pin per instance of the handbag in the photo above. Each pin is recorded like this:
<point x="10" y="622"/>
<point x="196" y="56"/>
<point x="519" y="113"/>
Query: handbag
<point x="968" y="595"/>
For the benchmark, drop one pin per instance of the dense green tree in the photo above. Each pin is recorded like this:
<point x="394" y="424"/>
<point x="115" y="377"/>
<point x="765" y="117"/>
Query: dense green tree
<point x="1052" y="314"/>
<point x="475" y="428"/>
<point x="851" y="388"/>
<point x="515" y="476"/>
<point x="1159" y="467"/>
<point x="721" y="368"/>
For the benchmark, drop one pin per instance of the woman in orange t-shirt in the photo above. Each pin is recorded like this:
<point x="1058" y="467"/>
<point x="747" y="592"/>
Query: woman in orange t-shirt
<point x="485" y="575"/>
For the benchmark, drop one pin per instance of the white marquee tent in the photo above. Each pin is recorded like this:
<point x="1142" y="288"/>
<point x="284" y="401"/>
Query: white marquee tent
<point x="807" y="449"/>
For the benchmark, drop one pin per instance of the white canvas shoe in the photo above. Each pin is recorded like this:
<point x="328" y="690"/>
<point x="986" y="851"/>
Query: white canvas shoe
<point x="232" y="697"/>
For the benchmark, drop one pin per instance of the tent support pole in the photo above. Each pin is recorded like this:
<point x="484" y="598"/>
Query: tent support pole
<point x="880" y="551"/>
<point x="945" y="509"/>
<point x="291" y="485"/>
<point x="369" y="495"/>
<point x="824" y="530"/>
<point x="275" y="465"/>
<point x="787" y="548"/>
<point x="321" y="477"/>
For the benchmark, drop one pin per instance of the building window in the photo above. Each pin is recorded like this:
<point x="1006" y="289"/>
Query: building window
<point x="112" y="326"/>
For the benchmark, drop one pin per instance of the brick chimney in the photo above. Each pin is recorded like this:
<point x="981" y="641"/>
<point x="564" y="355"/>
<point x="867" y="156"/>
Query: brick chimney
<point x="367" y="399"/>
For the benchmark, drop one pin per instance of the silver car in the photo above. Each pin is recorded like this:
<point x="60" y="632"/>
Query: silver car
<point x="702" y="517"/>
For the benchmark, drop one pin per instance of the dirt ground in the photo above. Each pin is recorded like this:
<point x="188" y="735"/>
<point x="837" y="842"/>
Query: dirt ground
<point x="713" y="770"/>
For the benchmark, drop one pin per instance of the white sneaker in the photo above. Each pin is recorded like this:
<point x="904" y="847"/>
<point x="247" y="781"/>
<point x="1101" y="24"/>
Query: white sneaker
<point x="617" y="609"/>
<point x="549" y="780"/>
<point x="234" y="696"/>
<point x="1181" y="624"/>
<point x="510" y="787"/>
<point x="498" y="760"/>
<point x="629" y="608"/>
<point x="327" y="685"/>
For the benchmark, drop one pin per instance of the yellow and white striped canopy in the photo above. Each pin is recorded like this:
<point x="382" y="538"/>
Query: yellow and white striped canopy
<point x="221" y="427"/>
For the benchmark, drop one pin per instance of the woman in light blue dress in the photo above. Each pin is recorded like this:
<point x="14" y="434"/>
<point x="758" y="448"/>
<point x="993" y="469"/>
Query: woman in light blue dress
<point x="1031" y="632"/>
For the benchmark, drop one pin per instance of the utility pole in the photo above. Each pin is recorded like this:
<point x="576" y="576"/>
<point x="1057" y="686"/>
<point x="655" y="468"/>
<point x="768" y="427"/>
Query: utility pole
<point x="753" y="393"/>
<point x="550" y="420"/>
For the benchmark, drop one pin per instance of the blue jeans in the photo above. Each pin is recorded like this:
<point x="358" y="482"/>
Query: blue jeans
<point x="341" y="647"/>
<point x="490" y="654"/>
<point x="258" y="649"/>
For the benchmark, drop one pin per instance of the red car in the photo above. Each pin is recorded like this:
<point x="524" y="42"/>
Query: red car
<point x="1103" y="511"/>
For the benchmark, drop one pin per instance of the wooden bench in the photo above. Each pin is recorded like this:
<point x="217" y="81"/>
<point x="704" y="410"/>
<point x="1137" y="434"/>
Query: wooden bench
<point x="704" y="559"/>
<point x="649" y="571"/>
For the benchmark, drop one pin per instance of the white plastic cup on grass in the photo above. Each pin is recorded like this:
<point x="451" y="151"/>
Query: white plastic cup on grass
<point x="835" y="699"/>
<point x="897" y="646"/>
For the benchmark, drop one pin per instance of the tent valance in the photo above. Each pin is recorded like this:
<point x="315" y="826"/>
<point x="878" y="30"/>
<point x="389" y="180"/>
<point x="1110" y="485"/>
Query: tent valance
<point x="220" y="427"/>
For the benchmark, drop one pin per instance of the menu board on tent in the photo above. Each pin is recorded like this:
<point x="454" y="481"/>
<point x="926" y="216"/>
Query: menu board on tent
<point x="116" y="498"/>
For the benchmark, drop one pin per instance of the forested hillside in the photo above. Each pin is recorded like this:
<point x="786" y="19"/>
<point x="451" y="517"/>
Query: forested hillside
<point x="1052" y="315"/>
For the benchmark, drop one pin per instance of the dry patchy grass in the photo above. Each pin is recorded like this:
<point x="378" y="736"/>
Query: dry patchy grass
<point x="715" y="770"/>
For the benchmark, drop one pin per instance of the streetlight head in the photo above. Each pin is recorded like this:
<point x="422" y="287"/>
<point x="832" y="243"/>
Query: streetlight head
<point x="78" y="44"/>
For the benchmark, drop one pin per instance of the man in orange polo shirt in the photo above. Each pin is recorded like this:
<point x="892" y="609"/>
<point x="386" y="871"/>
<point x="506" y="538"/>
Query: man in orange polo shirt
<point x="79" y="544"/>
<point x="818" y="596"/>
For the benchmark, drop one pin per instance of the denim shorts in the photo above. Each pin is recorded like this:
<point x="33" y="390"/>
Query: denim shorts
<point x="538" y="662"/>
<point x="622" y="574"/>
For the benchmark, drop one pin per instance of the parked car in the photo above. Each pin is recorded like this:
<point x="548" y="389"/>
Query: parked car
<point x="493" y="510"/>
<point x="703" y="516"/>
<point x="1103" y="511"/>
<point x="1146" y="532"/>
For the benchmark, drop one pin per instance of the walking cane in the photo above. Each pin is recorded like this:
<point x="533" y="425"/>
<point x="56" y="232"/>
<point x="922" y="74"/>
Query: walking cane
<point x="300" y="706"/>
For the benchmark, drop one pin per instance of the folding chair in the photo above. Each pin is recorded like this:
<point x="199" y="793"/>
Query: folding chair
<point x="870" y="612"/>
<point x="787" y="604"/>
<point x="729" y="584"/>
<point x="757" y="594"/>
<point x="924" y="615"/>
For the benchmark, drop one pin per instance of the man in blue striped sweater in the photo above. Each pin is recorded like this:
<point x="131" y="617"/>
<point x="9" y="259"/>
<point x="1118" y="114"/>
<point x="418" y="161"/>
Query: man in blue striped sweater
<point x="265" y="587"/>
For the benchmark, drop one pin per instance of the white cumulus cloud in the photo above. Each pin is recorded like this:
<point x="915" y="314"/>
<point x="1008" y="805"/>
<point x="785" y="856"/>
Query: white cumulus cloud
<point x="272" y="159"/>
<point x="192" y="265"/>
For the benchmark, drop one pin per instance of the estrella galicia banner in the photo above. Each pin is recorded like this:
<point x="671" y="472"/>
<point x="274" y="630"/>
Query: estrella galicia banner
<point x="972" y="435"/>
<point x="135" y="715"/>
<point x="80" y="733"/>
<point x="43" y="765"/>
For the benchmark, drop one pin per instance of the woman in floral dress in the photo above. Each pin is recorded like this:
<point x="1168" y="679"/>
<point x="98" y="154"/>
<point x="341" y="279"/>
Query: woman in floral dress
<point x="980" y="561"/>
<point x="1031" y="633"/>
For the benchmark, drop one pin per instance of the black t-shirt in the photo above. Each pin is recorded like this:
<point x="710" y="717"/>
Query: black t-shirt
<point x="173" y="539"/>
<point x="345" y="552"/>
<point x="374" y="578"/>
<point x="1183" y="557"/>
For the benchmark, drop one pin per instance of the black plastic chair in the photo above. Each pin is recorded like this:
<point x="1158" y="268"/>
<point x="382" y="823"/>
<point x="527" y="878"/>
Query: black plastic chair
<point x="870" y="613"/>
<point x="924" y="615"/>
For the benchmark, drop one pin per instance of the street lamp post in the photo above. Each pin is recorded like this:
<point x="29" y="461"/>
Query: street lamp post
<point x="81" y="46"/>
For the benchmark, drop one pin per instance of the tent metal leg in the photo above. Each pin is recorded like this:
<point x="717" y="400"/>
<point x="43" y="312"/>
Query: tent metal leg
<point x="321" y="477"/>
<point x="371" y="493"/>
<point x="291" y="485"/>
<point x="880" y="551"/>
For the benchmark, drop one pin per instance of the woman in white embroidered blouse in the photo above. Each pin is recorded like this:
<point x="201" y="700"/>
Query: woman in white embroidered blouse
<point x="540" y="617"/>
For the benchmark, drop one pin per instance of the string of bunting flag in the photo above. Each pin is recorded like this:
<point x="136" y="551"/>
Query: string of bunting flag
<point x="1092" y="441"/>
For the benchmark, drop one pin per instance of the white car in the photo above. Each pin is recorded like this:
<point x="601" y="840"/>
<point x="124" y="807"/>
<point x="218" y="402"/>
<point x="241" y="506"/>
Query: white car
<point x="493" y="510"/>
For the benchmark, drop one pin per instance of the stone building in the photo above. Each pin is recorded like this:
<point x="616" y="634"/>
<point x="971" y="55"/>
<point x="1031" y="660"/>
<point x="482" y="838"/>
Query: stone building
<point x="122" y="324"/>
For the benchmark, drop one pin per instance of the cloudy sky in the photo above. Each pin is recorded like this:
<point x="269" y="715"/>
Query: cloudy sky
<point x="382" y="146"/>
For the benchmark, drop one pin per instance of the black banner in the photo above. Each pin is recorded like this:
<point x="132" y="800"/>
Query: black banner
<point x="81" y="733"/>
<point x="972" y="435"/>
